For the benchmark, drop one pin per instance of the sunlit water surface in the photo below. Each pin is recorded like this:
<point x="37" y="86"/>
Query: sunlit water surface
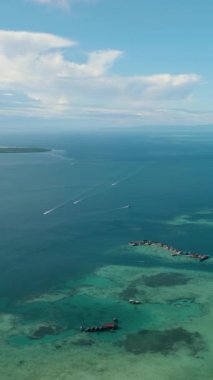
<point x="66" y="219"/>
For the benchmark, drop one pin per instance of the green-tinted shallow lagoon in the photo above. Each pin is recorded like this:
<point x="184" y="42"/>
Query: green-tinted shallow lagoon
<point x="65" y="259"/>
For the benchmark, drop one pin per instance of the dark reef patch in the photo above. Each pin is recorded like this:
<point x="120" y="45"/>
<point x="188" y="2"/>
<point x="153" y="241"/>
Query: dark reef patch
<point x="130" y="292"/>
<point x="165" y="279"/>
<point x="187" y="301"/>
<point x="164" y="342"/>
<point x="42" y="331"/>
<point x="20" y="363"/>
<point x="83" y="342"/>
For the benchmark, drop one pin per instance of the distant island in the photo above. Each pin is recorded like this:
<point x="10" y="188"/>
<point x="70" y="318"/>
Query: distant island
<point x="23" y="150"/>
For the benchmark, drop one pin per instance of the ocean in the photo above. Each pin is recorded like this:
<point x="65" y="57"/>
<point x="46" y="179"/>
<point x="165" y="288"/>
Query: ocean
<point x="66" y="219"/>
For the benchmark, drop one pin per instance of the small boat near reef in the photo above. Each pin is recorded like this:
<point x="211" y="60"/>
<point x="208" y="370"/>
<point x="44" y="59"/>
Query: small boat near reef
<point x="174" y="251"/>
<point x="135" y="302"/>
<point x="205" y="257"/>
<point x="109" y="326"/>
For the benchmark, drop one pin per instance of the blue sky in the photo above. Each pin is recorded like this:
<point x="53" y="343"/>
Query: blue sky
<point x="115" y="63"/>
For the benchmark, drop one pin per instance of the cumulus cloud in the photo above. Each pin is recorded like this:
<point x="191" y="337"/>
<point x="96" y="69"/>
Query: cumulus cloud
<point x="16" y="43"/>
<point x="45" y="83"/>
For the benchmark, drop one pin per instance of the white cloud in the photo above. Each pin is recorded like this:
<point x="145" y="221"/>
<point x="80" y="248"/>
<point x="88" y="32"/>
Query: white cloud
<point x="44" y="83"/>
<point x="15" y="43"/>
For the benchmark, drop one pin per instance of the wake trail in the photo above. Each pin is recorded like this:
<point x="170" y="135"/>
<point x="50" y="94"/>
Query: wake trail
<point x="126" y="206"/>
<point x="76" y="202"/>
<point x="55" y="208"/>
<point x="126" y="178"/>
<point x="73" y="200"/>
<point x="105" y="211"/>
<point x="91" y="193"/>
<point x="115" y="183"/>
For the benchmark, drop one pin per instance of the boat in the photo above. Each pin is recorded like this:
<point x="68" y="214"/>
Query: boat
<point x="204" y="257"/>
<point x="135" y="302"/>
<point x="109" y="326"/>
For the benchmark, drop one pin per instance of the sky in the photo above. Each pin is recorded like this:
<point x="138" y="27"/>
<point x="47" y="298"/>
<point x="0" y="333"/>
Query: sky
<point x="105" y="63"/>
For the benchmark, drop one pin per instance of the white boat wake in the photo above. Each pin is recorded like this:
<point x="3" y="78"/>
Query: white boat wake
<point x="126" y="178"/>
<point x="55" y="208"/>
<point x="88" y="193"/>
<point x="76" y="202"/>
<point x="106" y="211"/>
<point x="49" y="211"/>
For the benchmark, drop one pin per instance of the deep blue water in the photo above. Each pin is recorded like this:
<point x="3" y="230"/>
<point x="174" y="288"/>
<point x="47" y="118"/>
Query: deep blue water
<point x="161" y="175"/>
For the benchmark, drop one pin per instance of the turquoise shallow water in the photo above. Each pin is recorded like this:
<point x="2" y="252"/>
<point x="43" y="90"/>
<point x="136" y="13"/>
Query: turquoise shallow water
<point x="66" y="219"/>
